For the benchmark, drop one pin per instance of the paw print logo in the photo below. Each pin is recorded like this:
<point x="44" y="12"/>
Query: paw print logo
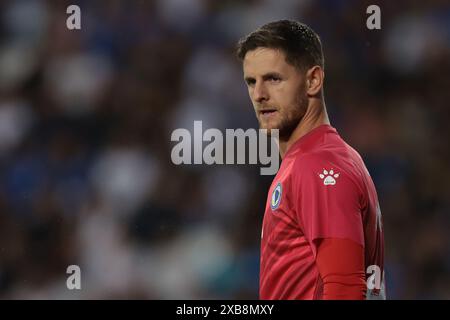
<point x="328" y="177"/>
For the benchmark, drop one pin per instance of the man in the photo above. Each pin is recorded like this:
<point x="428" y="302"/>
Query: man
<point x="322" y="229"/>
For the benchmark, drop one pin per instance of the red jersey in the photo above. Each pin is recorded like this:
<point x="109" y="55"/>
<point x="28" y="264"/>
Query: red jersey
<point x="322" y="190"/>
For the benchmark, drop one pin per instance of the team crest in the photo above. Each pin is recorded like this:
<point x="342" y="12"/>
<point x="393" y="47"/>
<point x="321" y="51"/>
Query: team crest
<point x="276" y="197"/>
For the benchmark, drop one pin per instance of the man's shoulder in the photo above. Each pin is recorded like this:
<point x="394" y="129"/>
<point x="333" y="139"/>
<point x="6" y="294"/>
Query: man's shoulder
<point x="304" y="162"/>
<point x="338" y="159"/>
<point x="331" y="153"/>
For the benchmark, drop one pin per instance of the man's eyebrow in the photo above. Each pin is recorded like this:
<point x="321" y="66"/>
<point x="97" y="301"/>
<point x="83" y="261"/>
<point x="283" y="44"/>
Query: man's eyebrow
<point x="266" y="76"/>
<point x="271" y="75"/>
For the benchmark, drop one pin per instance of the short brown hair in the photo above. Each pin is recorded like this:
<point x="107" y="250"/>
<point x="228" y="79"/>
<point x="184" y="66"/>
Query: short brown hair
<point x="299" y="42"/>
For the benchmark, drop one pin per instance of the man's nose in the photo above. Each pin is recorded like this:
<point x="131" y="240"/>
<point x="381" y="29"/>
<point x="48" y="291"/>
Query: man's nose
<point x="260" y="93"/>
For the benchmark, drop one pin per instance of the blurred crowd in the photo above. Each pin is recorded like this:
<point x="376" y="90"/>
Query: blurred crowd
<point x="86" y="118"/>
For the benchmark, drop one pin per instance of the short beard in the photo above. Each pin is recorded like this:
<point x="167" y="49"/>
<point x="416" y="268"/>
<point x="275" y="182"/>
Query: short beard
<point x="290" y="122"/>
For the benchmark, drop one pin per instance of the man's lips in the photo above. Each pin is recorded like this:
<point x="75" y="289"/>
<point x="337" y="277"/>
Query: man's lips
<point x="267" y="112"/>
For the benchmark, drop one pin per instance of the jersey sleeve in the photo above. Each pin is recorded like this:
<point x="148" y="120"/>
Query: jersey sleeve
<point x="327" y="201"/>
<point x="341" y="267"/>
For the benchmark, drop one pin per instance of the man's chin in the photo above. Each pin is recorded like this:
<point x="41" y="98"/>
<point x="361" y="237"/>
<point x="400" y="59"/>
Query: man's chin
<point x="268" y="127"/>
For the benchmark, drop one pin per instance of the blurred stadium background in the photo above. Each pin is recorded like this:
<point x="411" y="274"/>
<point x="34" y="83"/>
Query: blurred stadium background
<point x="85" y="124"/>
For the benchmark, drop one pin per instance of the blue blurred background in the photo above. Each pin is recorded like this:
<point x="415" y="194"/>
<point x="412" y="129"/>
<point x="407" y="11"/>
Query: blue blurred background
<point x="85" y="124"/>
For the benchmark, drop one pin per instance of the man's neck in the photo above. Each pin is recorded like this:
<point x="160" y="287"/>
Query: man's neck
<point x="316" y="115"/>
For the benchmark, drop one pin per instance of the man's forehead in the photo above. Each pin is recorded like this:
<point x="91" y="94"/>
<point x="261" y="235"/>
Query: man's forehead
<point x="262" y="60"/>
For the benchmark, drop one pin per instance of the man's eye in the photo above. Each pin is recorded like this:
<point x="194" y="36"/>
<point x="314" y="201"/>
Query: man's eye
<point x="274" y="79"/>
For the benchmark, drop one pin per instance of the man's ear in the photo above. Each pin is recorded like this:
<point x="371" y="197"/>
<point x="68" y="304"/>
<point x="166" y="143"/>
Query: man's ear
<point x="314" y="80"/>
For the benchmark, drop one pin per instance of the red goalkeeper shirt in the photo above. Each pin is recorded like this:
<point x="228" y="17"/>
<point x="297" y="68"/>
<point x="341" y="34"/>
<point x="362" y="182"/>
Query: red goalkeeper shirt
<point x="321" y="191"/>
